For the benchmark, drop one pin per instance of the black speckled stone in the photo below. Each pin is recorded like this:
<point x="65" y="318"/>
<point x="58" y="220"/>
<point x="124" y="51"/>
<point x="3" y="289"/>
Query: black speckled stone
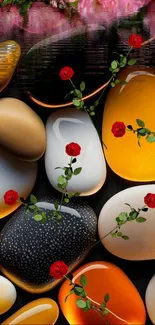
<point x="28" y="248"/>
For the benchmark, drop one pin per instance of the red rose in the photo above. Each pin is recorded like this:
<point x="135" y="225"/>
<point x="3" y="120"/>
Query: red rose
<point x="118" y="129"/>
<point x="66" y="73"/>
<point x="73" y="149"/>
<point x="58" y="270"/>
<point x="11" y="197"/>
<point x="135" y="41"/>
<point x="149" y="200"/>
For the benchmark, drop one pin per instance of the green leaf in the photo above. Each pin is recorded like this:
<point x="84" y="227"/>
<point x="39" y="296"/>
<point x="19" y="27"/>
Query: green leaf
<point x="106" y="297"/>
<point x="79" y="289"/>
<point x="125" y="237"/>
<point x="92" y="108"/>
<point x="103" y="305"/>
<point x="133" y="215"/>
<point x="66" y="200"/>
<point x="105" y="312"/>
<point x="56" y="205"/>
<point x="78" y="93"/>
<point x="88" y="304"/>
<point x="96" y="103"/>
<point x="31" y="207"/>
<point x="128" y="204"/>
<point x="132" y="62"/>
<point x="61" y="180"/>
<point x="81" y="303"/>
<point x="85" y="309"/>
<point x="77" y="171"/>
<point x="38" y="217"/>
<point x="82" y="86"/>
<point x="140" y="219"/>
<point x="77" y="194"/>
<point x="33" y="199"/>
<point x="92" y="113"/>
<point x="83" y="280"/>
<point x="124" y="82"/>
<point x="119" y="234"/>
<point x="123" y="61"/>
<point x="76" y="102"/>
<point x="140" y="123"/>
<point x="59" y="216"/>
<point x="114" y="235"/>
<point x="114" y="64"/>
<point x="150" y="138"/>
<point x="142" y="132"/>
<point x="117" y="81"/>
<point x="112" y="84"/>
<point x="123" y="216"/>
<point x="70" y="195"/>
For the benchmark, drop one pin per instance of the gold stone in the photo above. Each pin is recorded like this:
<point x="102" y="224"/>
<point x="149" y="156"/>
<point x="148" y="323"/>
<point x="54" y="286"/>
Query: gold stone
<point x="9" y="56"/>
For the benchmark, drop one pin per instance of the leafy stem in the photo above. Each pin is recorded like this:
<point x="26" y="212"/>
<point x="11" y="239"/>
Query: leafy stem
<point x="142" y="131"/>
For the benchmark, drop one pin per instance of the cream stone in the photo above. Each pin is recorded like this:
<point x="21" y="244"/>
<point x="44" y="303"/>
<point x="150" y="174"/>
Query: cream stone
<point x="16" y="175"/>
<point x="71" y="125"/>
<point x="141" y="242"/>
<point x="22" y="132"/>
<point x="7" y="294"/>
<point x="150" y="299"/>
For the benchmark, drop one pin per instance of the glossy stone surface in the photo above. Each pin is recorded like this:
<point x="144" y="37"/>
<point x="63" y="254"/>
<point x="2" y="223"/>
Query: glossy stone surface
<point x="7" y="294"/>
<point x="150" y="299"/>
<point x="43" y="311"/>
<point x="141" y="242"/>
<point x="9" y="56"/>
<point x="25" y="139"/>
<point x="71" y="125"/>
<point x="103" y="278"/>
<point x="28" y="247"/>
<point x="17" y="175"/>
<point x="126" y="103"/>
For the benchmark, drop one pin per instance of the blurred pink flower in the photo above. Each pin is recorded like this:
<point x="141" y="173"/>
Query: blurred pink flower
<point x="9" y="17"/>
<point x="106" y="11"/>
<point x="149" y="19"/>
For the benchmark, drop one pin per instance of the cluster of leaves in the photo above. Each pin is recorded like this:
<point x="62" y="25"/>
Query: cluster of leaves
<point x="23" y="5"/>
<point x="79" y="103"/>
<point x="82" y="301"/>
<point x="142" y="132"/>
<point x="115" y="67"/>
<point x="39" y="214"/>
<point x="64" y="179"/>
<point x="124" y="217"/>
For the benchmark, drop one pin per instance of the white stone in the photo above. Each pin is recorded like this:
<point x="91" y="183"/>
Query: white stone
<point x="8" y="294"/>
<point x="70" y="125"/>
<point x="141" y="242"/>
<point x="15" y="175"/>
<point x="150" y="299"/>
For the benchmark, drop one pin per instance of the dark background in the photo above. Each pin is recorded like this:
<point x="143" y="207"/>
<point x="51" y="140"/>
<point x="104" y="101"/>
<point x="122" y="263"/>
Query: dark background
<point x="89" y="56"/>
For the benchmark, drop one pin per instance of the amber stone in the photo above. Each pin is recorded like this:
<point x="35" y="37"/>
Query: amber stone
<point x="9" y="56"/>
<point x="126" y="103"/>
<point x="43" y="311"/>
<point x="125" y="305"/>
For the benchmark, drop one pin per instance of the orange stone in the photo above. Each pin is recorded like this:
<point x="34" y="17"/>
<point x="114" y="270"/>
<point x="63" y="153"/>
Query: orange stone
<point x="125" y="305"/>
<point x="126" y="103"/>
<point x="43" y="311"/>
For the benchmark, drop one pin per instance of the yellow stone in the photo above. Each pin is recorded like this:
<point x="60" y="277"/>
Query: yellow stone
<point x="126" y="103"/>
<point x="43" y="311"/>
<point x="9" y="56"/>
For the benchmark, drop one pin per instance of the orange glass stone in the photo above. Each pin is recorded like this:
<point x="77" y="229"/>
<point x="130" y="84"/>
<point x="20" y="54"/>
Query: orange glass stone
<point x="125" y="305"/>
<point x="126" y="103"/>
<point x="43" y="311"/>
